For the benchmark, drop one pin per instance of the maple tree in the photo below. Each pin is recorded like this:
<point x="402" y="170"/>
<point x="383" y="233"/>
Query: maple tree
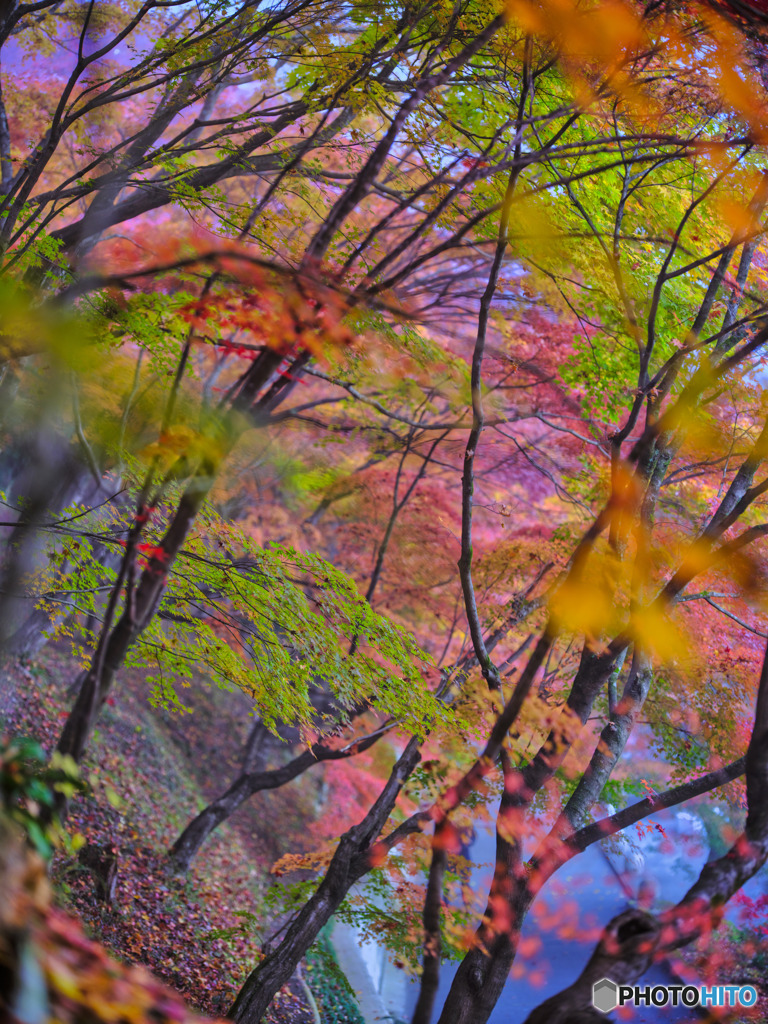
<point x="402" y="367"/>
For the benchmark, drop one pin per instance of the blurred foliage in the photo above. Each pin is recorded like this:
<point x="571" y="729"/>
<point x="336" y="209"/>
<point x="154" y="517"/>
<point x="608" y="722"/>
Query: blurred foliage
<point x="29" y="784"/>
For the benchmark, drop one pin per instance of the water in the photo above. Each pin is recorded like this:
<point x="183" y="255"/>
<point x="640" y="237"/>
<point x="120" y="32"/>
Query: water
<point x="563" y="925"/>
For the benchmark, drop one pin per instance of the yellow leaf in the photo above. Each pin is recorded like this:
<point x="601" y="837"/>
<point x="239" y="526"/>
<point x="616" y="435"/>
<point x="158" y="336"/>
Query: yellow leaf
<point x="653" y="631"/>
<point x="739" y="217"/>
<point x="697" y="559"/>
<point x="582" y="606"/>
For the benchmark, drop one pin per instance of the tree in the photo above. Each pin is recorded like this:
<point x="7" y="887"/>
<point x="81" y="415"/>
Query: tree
<point x="506" y="252"/>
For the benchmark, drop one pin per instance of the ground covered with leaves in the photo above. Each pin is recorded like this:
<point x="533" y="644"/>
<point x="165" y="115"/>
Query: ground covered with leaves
<point x="200" y="933"/>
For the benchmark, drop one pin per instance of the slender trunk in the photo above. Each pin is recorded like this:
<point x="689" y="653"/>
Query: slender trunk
<point x="484" y="971"/>
<point x="142" y="603"/>
<point x="249" y="782"/>
<point x="263" y="984"/>
<point x="207" y="821"/>
<point x="611" y="745"/>
<point x="349" y="863"/>
<point x="6" y="166"/>
<point x="430" y="971"/>
<point x="634" y="939"/>
<point x="135" y="618"/>
<point x="253" y="750"/>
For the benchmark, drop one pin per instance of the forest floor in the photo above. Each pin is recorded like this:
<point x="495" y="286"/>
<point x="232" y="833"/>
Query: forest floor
<point x="199" y="933"/>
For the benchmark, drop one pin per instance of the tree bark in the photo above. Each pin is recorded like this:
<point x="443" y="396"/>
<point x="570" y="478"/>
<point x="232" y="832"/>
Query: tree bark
<point x="143" y="602"/>
<point x="188" y="845"/>
<point x="350" y="862"/>
<point x="135" y="618"/>
<point x="634" y="939"/>
<point x="430" y="971"/>
<point x="245" y="786"/>
<point x="42" y="478"/>
<point x="484" y="970"/>
<point x="611" y="745"/>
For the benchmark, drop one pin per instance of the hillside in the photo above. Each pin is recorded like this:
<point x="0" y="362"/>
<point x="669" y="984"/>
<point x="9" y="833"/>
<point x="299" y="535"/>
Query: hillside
<point x="149" y="773"/>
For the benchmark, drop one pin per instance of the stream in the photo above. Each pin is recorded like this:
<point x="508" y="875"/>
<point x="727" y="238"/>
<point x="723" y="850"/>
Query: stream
<point x="562" y="926"/>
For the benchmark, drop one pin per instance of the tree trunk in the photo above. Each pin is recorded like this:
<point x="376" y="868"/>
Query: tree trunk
<point x="263" y="984"/>
<point x="251" y="781"/>
<point x="207" y="821"/>
<point x="633" y="940"/>
<point x="349" y="863"/>
<point x="430" y="969"/>
<point x="144" y="601"/>
<point x="41" y="478"/>
<point x="135" y="618"/>
<point x="484" y="971"/>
